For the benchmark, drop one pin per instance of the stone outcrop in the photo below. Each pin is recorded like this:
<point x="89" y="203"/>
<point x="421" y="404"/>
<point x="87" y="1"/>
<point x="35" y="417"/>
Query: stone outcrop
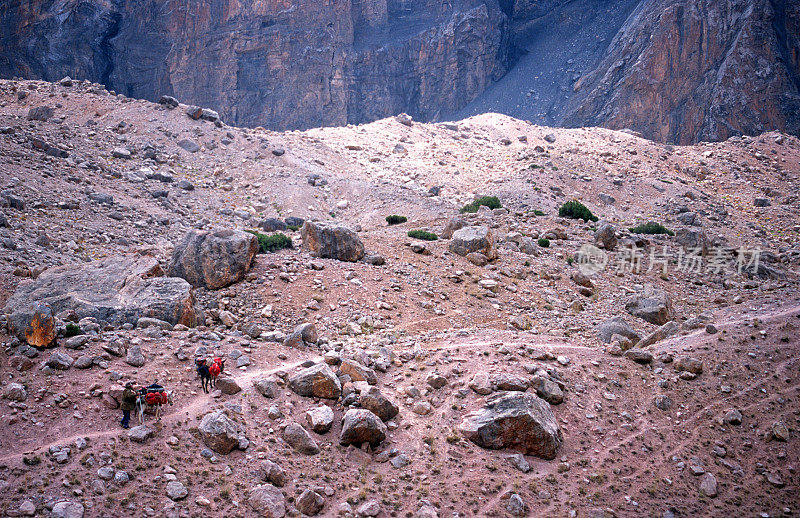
<point x="213" y="259"/>
<point x="517" y="420"/>
<point x="475" y="239"/>
<point x="117" y="290"/>
<point x="332" y="241"/>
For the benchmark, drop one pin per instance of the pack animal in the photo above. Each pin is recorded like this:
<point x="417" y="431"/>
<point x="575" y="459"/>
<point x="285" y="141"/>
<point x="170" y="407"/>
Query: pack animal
<point x="151" y="399"/>
<point x="204" y="371"/>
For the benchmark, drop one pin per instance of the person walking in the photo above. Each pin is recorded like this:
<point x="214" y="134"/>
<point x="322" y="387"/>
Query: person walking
<point x="128" y="403"/>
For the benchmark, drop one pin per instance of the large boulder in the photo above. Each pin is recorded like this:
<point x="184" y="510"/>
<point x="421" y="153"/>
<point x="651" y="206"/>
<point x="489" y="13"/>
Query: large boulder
<point x="616" y="326"/>
<point x="476" y="239"/>
<point x="606" y="235"/>
<point x="359" y="425"/>
<point x="117" y="289"/>
<point x="358" y="372"/>
<point x="300" y="440"/>
<point x="219" y="433"/>
<point x="332" y="241"/>
<point x="67" y="509"/>
<point x="652" y="306"/>
<point x="320" y="419"/>
<point x="518" y="420"/>
<point x="693" y="241"/>
<point x="267" y="501"/>
<point x="316" y="381"/>
<point x="35" y="324"/>
<point x="378" y="404"/>
<point x="214" y="259"/>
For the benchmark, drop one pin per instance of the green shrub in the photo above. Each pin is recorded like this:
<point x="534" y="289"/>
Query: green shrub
<point x="394" y="219"/>
<point x="271" y="242"/>
<point x="72" y="330"/>
<point x="574" y="209"/>
<point x="293" y="228"/>
<point x="423" y="235"/>
<point x="537" y="212"/>
<point x="544" y="243"/>
<point x="32" y="461"/>
<point x="651" y="227"/>
<point x="487" y="201"/>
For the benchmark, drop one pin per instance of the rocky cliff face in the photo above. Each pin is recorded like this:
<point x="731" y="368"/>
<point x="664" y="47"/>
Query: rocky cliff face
<point x="697" y="70"/>
<point x="278" y="63"/>
<point x="675" y="70"/>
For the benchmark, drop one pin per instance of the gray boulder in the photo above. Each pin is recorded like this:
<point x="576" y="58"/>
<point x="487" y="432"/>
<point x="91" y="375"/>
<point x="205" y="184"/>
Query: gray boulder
<point x="267" y="386"/>
<point x="267" y="501"/>
<point x="518" y="420"/>
<point x="135" y="358"/>
<point x="219" y="433"/>
<point x="300" y="440"/>
<point x="320" y="419"/>
<point x="272" y="473"/>
<point x="140" y="433"/>
<point x="67" y="509"/>
<point x="227" y="385"/>
<point x="332" y="241"/>
<point x="475" y="239"/>
<point x="60" y="361"/>
<point x="15" y="392"/>
<point x="176" y="490"/>
<point x="693" y="240"/>
<point x="40" y="113"/>
<point x="117" y="289"/>
<point x="548" y="390"/>
<point x="378" y="404"/>
<point x="213" y="259"/>
<point x="310" y="503"/>
<point x="359" y="425"/>
<point x="316" y="381"/>
<point x="606" y="234"/>
<point x="616" y="326"/>
<point x="653" y="306"/>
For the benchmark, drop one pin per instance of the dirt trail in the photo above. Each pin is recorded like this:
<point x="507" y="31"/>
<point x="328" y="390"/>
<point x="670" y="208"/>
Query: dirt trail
<point x="191" y="410"/>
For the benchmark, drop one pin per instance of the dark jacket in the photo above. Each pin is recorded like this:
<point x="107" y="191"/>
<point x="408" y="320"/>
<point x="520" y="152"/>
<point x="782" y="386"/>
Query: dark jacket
<point x="128" y="399"/>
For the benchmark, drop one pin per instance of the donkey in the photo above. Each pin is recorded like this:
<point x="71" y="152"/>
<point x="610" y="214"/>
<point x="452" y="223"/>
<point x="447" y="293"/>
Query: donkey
<point x="142" y="405"/>
<point x="204" y="372"/>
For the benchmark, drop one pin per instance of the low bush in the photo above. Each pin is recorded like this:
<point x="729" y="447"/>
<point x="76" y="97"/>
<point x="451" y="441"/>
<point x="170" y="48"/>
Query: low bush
<point x="544" y="243"/>
<point x="423" y="235"/>
<point x="486" y="201"/>
<point x="394" y="219"/>
<point x="651" y="227"/>
<point x="268" y="243"/>
<point x="574" y="209"/>
<point x="72" y="330"/>
<point x="537" y="212"/>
